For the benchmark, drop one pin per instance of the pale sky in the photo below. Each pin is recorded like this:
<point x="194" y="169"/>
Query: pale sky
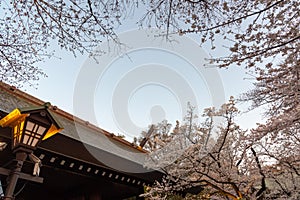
<point x="153" y="80"/>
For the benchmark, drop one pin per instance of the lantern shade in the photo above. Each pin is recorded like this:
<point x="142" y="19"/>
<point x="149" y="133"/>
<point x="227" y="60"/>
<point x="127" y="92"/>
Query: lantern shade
<point x="12" y="118"/>
<point x="31" y="125"/>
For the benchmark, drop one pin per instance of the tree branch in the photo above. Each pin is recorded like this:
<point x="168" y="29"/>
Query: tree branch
<point x="234" y="20"/>
<point x="263" y="181"/>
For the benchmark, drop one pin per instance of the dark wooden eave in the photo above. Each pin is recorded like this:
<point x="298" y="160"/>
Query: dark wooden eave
<point x="68" y="168"/>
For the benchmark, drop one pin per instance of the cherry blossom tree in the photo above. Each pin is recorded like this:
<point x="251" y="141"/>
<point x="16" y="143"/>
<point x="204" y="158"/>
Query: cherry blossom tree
<point x="258" y="31"/>
<point x="263" y="37"/>
<point x="27" y="29"/>
<point x="235" y="165"/>
<point x="160" y="135"/>
<point x="156" y="137"/>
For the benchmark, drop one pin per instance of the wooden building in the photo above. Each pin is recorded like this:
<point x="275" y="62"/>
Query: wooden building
<point x="82" y="162"/>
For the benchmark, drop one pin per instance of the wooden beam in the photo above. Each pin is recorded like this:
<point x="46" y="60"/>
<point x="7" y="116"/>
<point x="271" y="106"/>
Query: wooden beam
<point x="4" y="171"/>
<point x="24" y="176"/>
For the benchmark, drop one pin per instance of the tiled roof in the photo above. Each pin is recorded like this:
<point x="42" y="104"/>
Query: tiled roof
<point x="74" y="127"/>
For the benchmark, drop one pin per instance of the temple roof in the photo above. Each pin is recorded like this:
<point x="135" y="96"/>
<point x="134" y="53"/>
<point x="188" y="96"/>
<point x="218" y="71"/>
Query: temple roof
<point x="105" y="149"/>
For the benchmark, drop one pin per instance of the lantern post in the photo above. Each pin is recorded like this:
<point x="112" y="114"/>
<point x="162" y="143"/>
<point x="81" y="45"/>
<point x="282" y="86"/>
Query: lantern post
<point x="29" y="127"/>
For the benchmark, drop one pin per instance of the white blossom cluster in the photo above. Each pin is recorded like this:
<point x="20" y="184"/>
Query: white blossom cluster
<point x="237" y="165"/>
